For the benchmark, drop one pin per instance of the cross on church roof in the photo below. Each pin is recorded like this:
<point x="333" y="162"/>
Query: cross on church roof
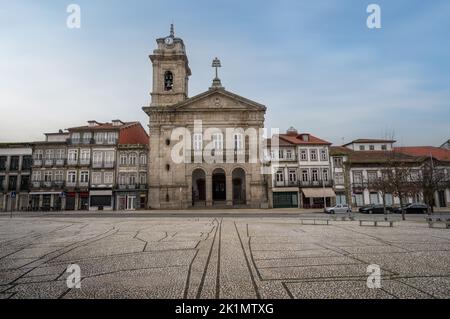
<point x="216" y="64"/>
<point x="216" y="81"/>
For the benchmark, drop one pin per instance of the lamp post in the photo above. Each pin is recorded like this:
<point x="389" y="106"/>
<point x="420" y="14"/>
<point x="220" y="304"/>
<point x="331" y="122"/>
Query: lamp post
<point x="323" y="185"/>
<point x="324" y="197"/>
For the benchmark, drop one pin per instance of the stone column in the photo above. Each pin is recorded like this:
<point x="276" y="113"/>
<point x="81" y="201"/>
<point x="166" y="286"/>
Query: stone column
<point x="248" y="193"/>
<point x="229" y="189"/>
<point x="208" y="186"/>
<point x="188" y="195"/>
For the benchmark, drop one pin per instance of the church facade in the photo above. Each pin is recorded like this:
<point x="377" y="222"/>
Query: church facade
<point x="217" y="169"/>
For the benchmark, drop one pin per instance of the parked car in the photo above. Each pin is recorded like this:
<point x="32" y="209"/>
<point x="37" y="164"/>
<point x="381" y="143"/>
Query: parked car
<point x="414" y="208"/>
<point x="375" y="209"/>
<point x="339" y="208"/>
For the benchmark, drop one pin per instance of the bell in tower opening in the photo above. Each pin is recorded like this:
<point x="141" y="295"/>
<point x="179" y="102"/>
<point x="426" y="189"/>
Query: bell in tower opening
<point x="168" y="81"/>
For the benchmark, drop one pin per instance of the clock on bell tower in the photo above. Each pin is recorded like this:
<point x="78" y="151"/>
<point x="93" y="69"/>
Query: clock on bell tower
<point x="170" y="71"/>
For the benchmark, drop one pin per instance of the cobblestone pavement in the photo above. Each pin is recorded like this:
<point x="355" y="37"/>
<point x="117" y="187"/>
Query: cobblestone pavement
<point x="220" y="258"/>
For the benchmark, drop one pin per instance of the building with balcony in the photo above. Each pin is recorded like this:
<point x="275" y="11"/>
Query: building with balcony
<point x="338" y="161"/>
<point x="355" y="169"/>
<point x="301" y="172"/>
<point x="49" y="172"/>
<point x="131" y="186"/>
<point x="92" y="162"/>
<point x="15" y="174"/>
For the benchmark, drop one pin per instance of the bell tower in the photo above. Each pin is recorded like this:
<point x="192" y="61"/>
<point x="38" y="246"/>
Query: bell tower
<point x="170" y="71"/>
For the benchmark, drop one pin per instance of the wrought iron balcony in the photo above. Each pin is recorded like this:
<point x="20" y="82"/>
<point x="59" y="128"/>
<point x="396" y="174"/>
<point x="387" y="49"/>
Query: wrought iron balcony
<point x="108" y="164"/>
<point x="305" y="184"/>
<point x="37" y="162"/>
<point x="72" y="162"/>
<point x="360" y="184"/>
<point x="77" y="184"/>
<point x="48" y="184"/>
<point x="85" y="162"/>
<point x="60" y="162"/>
<point x="131" y="186"/>
<point x="318" y="183"/>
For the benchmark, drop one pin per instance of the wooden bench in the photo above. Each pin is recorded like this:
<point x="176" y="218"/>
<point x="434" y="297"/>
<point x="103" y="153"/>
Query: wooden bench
<point x="433" y="221"/>
<point x="314" y="221"/>
<point x="376" y="223"/>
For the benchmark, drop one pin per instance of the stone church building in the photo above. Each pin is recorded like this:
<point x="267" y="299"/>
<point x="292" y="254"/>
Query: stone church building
<point x="196" y="182"/>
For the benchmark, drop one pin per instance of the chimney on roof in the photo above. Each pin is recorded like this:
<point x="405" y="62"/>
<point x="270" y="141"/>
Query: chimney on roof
<point x="60" y="131"/>
<point x="117" y="122"/>
<point x="292" y="131"/>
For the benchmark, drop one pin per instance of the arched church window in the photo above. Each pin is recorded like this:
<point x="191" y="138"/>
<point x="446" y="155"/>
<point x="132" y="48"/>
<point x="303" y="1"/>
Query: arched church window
<point x="168" y="81"/>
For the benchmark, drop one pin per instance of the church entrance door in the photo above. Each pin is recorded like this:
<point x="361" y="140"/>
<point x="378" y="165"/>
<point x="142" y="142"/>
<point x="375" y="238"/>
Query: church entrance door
<point x="198" y="187"/>
<point x="219" y="185"/>
<point x="239" y="187"/>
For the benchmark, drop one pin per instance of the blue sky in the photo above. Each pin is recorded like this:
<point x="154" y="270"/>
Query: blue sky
<point x="314" y="64"/>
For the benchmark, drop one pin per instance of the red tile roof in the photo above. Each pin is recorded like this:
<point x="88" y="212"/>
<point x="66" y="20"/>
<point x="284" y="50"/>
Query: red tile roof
<point x="339" y="150"/>
<point x="425" y="151"/>
<point x="280" y="141"/>
<point x="380" y="157"/>
<point x="133" y="134"/>
<point x="297" y="139"/>
<point x="369" y="140"/>
<point x="129" y="132"/>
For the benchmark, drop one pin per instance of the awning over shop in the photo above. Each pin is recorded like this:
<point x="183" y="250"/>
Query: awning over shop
<point x="318" y="192"/>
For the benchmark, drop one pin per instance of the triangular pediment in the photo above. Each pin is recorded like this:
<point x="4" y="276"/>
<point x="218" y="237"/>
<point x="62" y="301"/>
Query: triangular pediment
<point x="219" y="99"/>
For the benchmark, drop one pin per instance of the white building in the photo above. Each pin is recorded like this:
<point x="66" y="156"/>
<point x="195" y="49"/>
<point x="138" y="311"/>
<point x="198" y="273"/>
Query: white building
<point x="301" y="172"/>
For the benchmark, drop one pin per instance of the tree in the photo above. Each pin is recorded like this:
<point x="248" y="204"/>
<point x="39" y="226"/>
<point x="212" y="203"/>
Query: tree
<point x="382" y="185"/>
<point x="431" y="179"/>
<point x="395" y="179"/>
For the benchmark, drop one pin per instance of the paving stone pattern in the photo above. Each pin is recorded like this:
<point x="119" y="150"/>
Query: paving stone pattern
<point x="220" y="258"/>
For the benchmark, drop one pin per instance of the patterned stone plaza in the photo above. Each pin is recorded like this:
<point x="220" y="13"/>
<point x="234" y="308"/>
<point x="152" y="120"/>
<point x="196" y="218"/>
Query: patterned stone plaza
<point x="184" y="257"/>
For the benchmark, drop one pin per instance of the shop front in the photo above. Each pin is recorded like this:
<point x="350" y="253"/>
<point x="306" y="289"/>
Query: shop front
<point x="131" y="200"/>
<point x="318" y="197"/>
<point x="285" y="199"/>
<point x="101" y="200"/>
<point x="45" y="201"/>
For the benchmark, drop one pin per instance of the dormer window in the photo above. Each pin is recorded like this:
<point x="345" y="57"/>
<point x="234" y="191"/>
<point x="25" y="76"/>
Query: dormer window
<point x="305" y="137"/>
<point x="93" y="123"/>
<point x="117" y="123"/>
<point x="168" y="81"/>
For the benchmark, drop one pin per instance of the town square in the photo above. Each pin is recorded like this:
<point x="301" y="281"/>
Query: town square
<point x="249" y="152"/>
<point x="221" y="257"/>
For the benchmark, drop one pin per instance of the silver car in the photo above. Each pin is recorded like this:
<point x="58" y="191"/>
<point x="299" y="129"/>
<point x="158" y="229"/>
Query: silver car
<point x="339" y="208"/>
